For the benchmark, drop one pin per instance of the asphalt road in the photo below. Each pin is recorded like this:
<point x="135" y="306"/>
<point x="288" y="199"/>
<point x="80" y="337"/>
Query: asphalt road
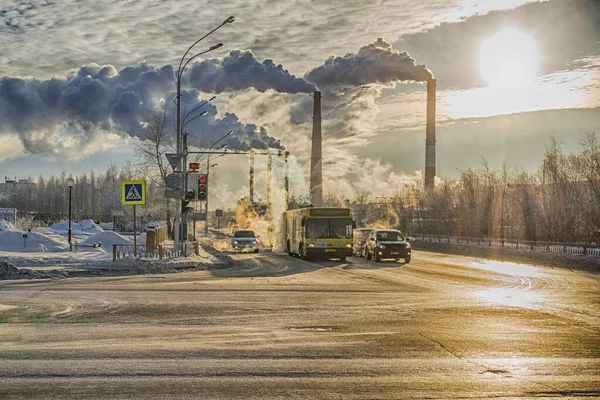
<point x="278" y="327"/>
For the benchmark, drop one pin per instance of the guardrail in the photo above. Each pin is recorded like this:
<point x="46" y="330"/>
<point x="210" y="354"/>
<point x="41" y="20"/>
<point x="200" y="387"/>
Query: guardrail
<point x="159" y="251"/>
<point x="514" y="245"/>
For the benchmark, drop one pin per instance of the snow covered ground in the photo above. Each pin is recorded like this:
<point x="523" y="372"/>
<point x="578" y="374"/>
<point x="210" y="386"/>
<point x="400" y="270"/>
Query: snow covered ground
<point x="85" y="227"/>
<point x="48" y="249"/>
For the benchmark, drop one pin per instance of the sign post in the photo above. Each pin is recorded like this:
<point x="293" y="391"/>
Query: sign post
<point x="219" y="214"/>
<point x="133" y="193"/>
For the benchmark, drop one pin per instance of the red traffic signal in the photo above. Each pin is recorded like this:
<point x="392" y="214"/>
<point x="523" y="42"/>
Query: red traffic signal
<point x="202" y="179"/>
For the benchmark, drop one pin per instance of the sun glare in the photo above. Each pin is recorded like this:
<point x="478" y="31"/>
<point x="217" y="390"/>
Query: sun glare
<point x="508" y="58"/>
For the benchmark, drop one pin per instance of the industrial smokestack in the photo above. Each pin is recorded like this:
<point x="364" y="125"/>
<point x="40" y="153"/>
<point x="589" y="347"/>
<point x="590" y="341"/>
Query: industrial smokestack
<point x="287" y="180"/>
<point x="269" y="169"/>
<point x="316" y="158"/>
<point x="430" y="140"/>
<point x="251" y="177"/>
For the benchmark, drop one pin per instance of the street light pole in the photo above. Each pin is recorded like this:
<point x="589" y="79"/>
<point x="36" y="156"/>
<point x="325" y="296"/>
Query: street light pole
<point x="208" y="174"/>
<point x="181" y="218"/>
<point x="70" y="183"/>
<point x="182" y="139"/>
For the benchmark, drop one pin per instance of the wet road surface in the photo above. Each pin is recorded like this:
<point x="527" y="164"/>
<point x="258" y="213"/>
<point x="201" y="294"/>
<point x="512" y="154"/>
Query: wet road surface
<point x="273" y="326"/>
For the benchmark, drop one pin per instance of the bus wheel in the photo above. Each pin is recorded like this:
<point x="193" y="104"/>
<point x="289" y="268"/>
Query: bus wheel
<point x="302" y="251"/>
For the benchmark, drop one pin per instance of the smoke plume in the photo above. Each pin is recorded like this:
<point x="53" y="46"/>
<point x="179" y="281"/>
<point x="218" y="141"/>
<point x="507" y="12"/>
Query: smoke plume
<point x="74" y="111"/>
<point x="373" y="63"/>
<point x="209" y="128"/>
<point x="240" y="70"/>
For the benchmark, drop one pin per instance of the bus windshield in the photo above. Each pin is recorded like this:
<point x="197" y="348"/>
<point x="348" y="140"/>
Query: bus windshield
<point x="329" y="229"/>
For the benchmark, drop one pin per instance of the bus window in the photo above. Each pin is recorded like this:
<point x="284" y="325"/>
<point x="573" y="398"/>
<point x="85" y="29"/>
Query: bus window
<point x="329" y="229"/>
<point x="341" y="228"/>
<point x="317" y="229"/>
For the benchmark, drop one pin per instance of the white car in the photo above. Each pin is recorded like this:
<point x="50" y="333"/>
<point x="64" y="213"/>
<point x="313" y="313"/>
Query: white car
<point x="244" y="240"/>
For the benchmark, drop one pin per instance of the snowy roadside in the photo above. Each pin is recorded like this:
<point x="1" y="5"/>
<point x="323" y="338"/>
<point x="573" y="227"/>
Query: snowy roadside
<point x="86" y="264"/>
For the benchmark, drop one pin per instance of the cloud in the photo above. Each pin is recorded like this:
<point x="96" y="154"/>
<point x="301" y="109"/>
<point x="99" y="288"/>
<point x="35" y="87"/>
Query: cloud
<point x="564" y="32"/>
<point x="519" y="139"/>
<point x="11" y="147"/>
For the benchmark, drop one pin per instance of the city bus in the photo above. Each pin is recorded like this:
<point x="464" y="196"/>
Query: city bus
<point x="319" y="232"/>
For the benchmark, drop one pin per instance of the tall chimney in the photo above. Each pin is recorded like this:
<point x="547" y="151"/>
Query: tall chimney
<point x="287" y="180"/>
<point x="251" y="176"/>
<point x="430" y="141"/>
<point x="269" y="178"/>
<point x="316" y="158"/>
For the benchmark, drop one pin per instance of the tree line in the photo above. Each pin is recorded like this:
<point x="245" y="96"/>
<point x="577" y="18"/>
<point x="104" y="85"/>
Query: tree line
<point x="560" y="202"/>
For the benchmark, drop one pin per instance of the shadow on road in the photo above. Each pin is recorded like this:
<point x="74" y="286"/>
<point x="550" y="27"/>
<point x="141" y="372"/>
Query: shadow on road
<point x="266" y="264"/>
<point x="276" y="264"/>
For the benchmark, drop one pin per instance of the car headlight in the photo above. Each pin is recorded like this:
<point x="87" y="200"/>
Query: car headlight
<point x="381" y="246"/>
<point x="311" y="245"/>
<point x="235" y="243"/>
<point x="349" y="246"/>
<point x="407" y="246"/>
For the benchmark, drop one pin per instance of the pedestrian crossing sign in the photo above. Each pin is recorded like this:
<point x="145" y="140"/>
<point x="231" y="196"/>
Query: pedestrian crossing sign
<point x="133" y="192"/>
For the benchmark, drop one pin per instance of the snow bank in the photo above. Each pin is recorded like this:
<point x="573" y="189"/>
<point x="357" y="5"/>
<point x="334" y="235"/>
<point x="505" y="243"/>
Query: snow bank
<point x="107" y="225"/>
<point x="85" y="227"/>
<point x="13" y="241"/>
<point x="6" y="226"/>
<point x="10" y="272"/>
<point x="107" y="238"/>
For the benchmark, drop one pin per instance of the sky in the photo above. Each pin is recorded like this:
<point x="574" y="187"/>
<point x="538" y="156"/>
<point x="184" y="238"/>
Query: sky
<point x="76" y="78"/>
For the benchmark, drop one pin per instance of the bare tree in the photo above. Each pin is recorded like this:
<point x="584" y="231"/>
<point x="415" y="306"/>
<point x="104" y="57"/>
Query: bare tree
<point x="155" y="142"/>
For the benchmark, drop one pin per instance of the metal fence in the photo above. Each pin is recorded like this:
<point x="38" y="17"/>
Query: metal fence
<point x="118" y="223"/>
<point x="590" y="249"/>
<point x="158" y="252"/>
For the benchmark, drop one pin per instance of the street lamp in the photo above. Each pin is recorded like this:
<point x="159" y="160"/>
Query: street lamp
<point x="197" y="108"/>
<point x="187" y="122"/>
<point x="181" y="218"/>
<point x="70" y="183"/>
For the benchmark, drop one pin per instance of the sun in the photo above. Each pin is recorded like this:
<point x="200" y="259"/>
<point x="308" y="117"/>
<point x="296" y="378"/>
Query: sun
<point x="508" y="58"/>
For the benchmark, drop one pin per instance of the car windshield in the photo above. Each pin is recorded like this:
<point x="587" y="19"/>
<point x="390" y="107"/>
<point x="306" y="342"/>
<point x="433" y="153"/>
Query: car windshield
<point x="329" y="229"/>
<point x="390" y="236"/>
<point x="244" y="234"/>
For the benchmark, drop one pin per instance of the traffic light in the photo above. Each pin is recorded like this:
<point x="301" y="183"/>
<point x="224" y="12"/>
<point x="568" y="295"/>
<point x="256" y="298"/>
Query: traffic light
<point x="203" y="187"/>
<point x="192" y="186"/>
<point x="185" y="207"/>
<point x="190" y="195"/>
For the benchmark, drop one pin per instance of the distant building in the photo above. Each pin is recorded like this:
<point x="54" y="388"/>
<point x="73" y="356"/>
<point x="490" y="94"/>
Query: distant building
<point x="10" y="183"/>
<point x="8" y="214"/>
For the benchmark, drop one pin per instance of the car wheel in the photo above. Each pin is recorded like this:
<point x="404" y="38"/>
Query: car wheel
<point x="368" y="255"/>
<point x="407" y="259"/>
<point x="256" y="250"/>
<point x="343" y="259"/>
